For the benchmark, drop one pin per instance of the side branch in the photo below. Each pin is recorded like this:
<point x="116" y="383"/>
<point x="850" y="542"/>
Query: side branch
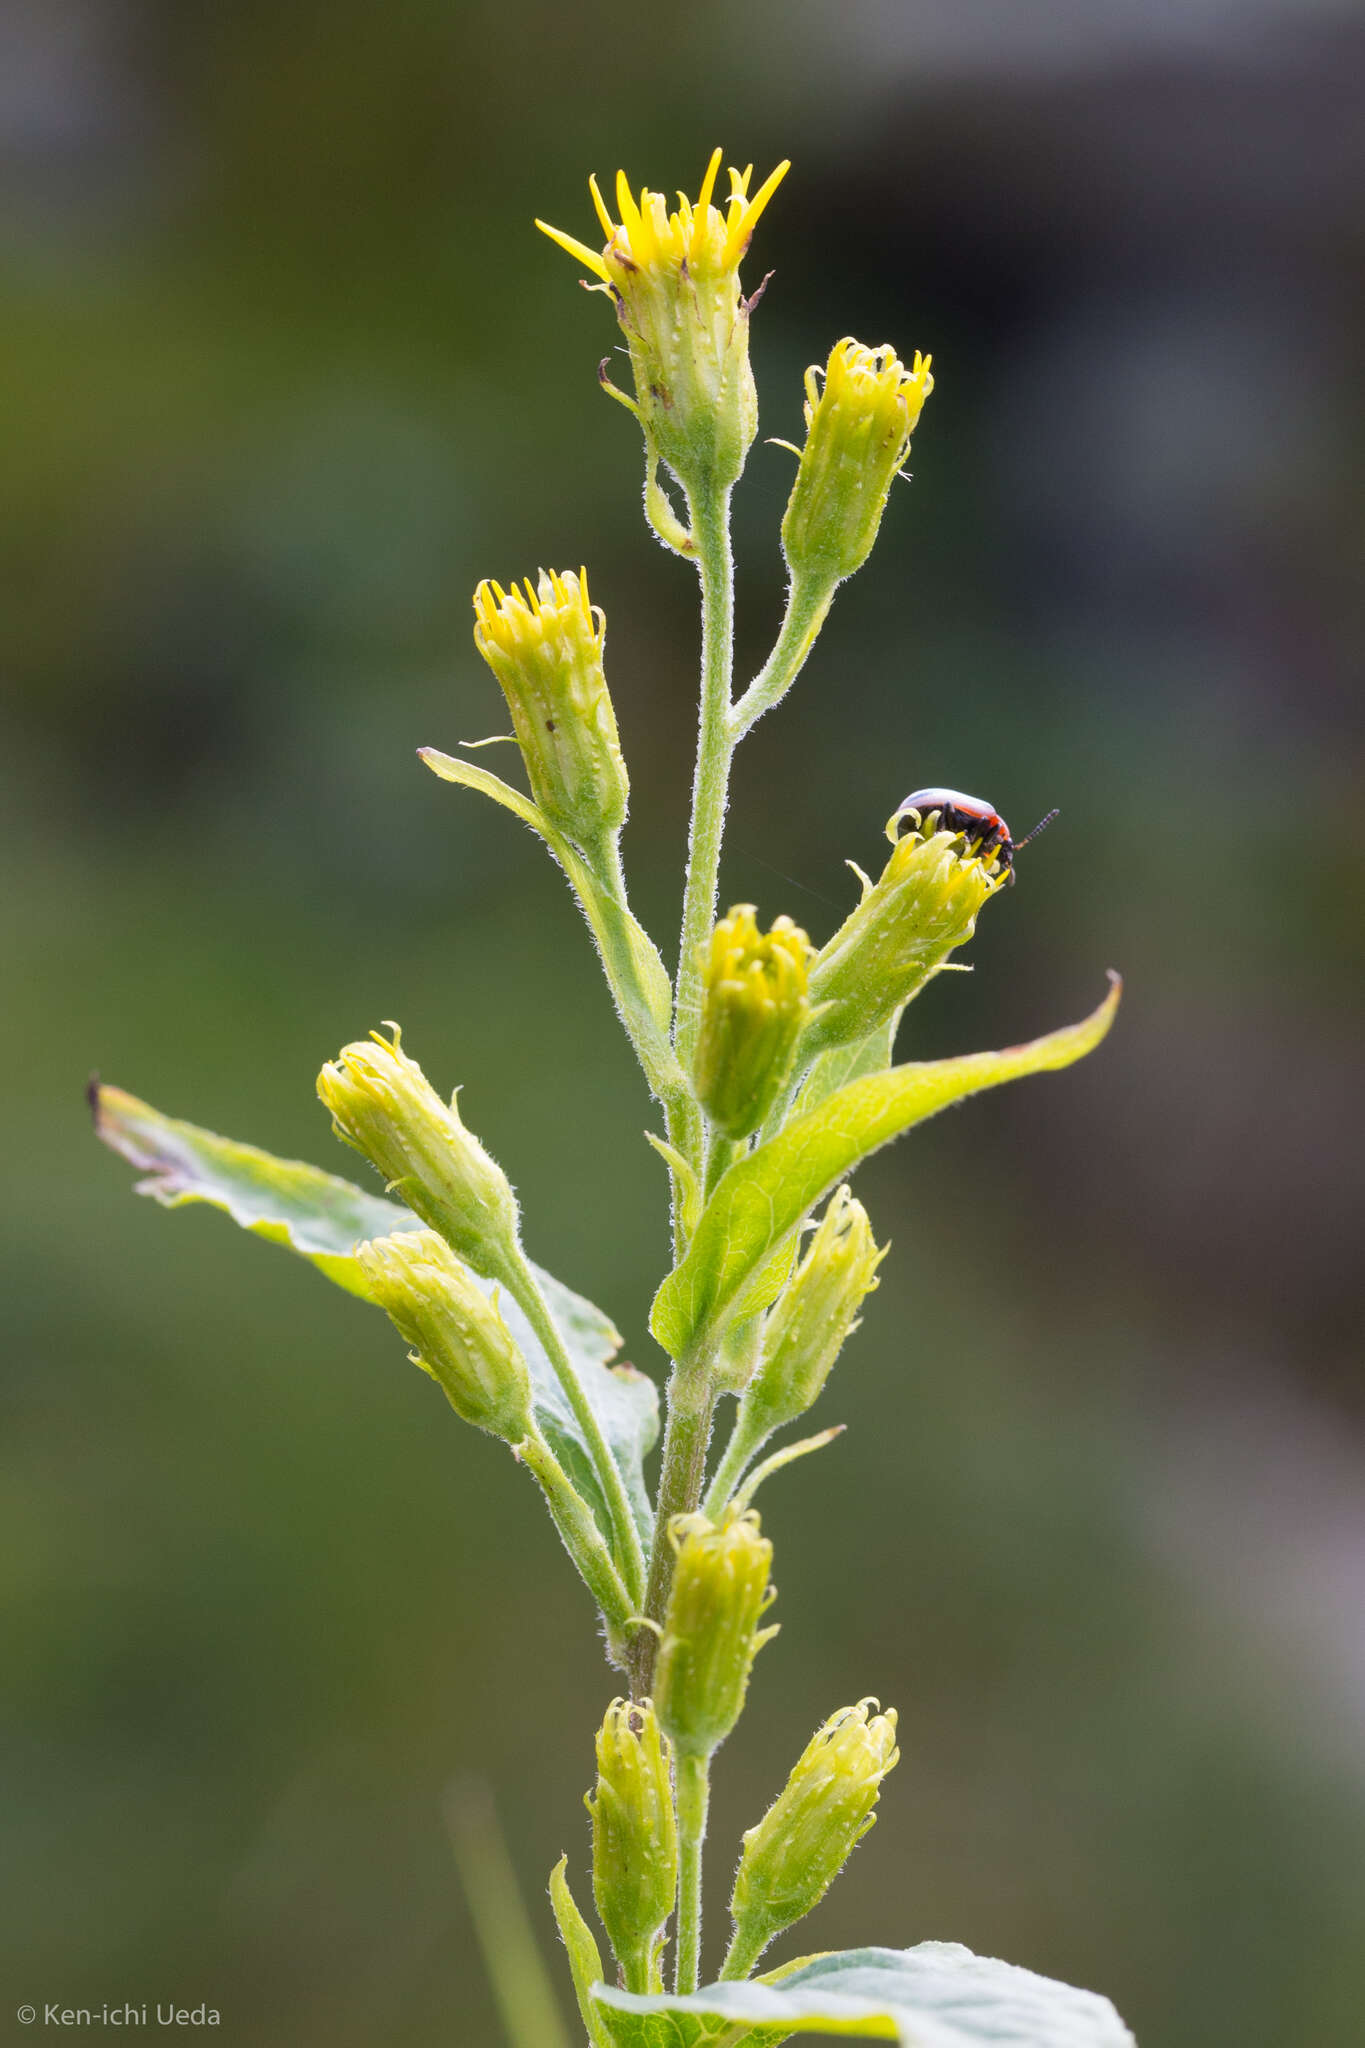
<point x="808" y="604"/>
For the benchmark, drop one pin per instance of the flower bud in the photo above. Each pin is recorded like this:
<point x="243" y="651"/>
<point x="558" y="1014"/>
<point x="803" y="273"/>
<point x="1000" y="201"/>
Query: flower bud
<point x="804" y="1839"/>
<point x="818" y="1310"/>
<point x="384" y="1105"/>
<point x="457" y="1333"/>
<point x="753" y="1007"/>
<point x="545" y="648"/>
<point x="858" y="429"/>
<point x="634" y="1835"/>
<point x="674" y="278"/>
<point x="923" y="906"/>
<point x="711" y="1633"/>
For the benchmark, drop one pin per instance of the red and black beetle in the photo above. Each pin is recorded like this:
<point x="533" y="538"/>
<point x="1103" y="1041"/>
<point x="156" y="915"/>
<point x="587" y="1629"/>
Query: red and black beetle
<point x="978" y="822"/>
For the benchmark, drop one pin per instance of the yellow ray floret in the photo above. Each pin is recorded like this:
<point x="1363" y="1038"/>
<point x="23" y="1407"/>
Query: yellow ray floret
<point x="869" y="377"/>
<point x="507" y="619"/>
<point x="709" y="239"/>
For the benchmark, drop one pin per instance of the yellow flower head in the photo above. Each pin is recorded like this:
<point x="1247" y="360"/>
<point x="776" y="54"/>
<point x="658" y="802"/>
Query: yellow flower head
<point x="803" y="1841"/>
<point x="753" y="1007"/>
<point x="709" y="240"/>
<point x="634" y="1835"/>
<point x="873" y="384"/>
<point x="544" y="643"/>
<point x="383" y="1104"/>
<point x="923" y="905"/>
<point x="816" y="1313"/>
<point x="457" y="1334"/>
<point x="674" y="278"/>
<point x="555" y="608"/>
<point x="711" y="1633"/>
<point x="860" y="413"/>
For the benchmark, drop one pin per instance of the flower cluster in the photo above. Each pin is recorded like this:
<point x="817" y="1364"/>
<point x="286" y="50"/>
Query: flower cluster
<point x="674" y="278"/>
<point x="773" y="1067"/>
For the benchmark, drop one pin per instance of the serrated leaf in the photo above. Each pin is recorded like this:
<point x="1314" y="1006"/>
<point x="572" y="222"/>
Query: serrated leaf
<point x="762" y="1198"/>
<point x="323" y="1218"/>
<point x="938" y="1995"/>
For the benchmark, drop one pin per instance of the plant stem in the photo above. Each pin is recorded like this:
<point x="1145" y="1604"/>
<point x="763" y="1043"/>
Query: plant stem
<point x="630" y="1556"/>
<point x="721" y="1153"/>
<point x="630" y="962"/>
<point x="691" y="1393"/>
<point x="808" y="605"/>
<point x="710" y="515"/>
<point x="746" y="1439"/>
<point x="691" y="1403"/>
<point x="743" y="1952"/>
<point x="693" y="1795"/>
<point x="581" y="1536"/>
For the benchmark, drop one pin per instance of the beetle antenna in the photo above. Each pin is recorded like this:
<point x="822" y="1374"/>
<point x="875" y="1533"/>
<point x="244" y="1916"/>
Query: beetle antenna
<point x="1041" y="826"/>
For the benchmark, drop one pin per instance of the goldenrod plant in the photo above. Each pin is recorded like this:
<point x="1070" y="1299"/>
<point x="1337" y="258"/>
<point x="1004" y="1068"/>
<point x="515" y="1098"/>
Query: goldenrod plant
<point x="772" y="1063"/>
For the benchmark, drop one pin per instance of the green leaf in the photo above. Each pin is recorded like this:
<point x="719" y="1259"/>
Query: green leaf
<point x="625" y="1402"/>
<point x="678" y="2030"/>
<point x="767" y="1283"/>
<point x="938" y="1995"/>
<point x="451" y="769"/>
<point x="323" y="1218"/>
<point x="585" y="1961"/>
<point x="843" y="1063"/>
<point x="316" y="1214"/>
<point x="637" y="976"/>
<point x="762" y="1198"/>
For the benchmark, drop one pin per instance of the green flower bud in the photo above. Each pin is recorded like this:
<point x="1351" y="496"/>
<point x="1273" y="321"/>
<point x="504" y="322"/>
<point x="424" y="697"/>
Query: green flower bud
<point x="634" y="1835"/>
<point x="858" y="429"/>
<point x="384" y="1105"/>
<point x="923" y="906"/>
<point x="674" y="278"/>
<point x="456" y="1332"/>
<point x="546" y="651"/>
<point x="711" y="1634"/>
<point x="804" y="1839"/>
<point x="753" y="1007"/>
<point x="818" y="1310"/>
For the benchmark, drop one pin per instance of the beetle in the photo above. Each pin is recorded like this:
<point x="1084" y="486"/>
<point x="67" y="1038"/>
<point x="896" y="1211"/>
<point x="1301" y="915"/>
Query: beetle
<point x="978" y="822"/>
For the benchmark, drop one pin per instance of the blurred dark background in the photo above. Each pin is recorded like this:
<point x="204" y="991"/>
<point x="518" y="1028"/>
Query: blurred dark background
<point x="284" y="370"/>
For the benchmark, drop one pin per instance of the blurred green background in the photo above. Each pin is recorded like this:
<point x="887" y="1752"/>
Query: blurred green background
<point x="283" y="371"/>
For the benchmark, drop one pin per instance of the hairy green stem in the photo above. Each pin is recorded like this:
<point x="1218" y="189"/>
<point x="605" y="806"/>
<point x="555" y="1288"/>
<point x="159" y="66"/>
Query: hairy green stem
<point x="691" y="1404"/>
<point x="691" y="1392"/>
<point x="625" y="950"/>
<point x="693" y="1795"/>
<point x="582" y="1538"/>
<point x="630" y="1555"/>
<point x="744" y="1951"/>
<point x="808" y="604"/>
<point x="746" y="1439"/>
<point x="710" y="515"/>
<point x="720" y="1153"/>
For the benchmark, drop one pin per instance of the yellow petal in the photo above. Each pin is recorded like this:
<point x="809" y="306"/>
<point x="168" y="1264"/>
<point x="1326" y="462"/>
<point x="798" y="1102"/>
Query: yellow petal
<point x="588" y="257"/>
<point x="743" y="219"/>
